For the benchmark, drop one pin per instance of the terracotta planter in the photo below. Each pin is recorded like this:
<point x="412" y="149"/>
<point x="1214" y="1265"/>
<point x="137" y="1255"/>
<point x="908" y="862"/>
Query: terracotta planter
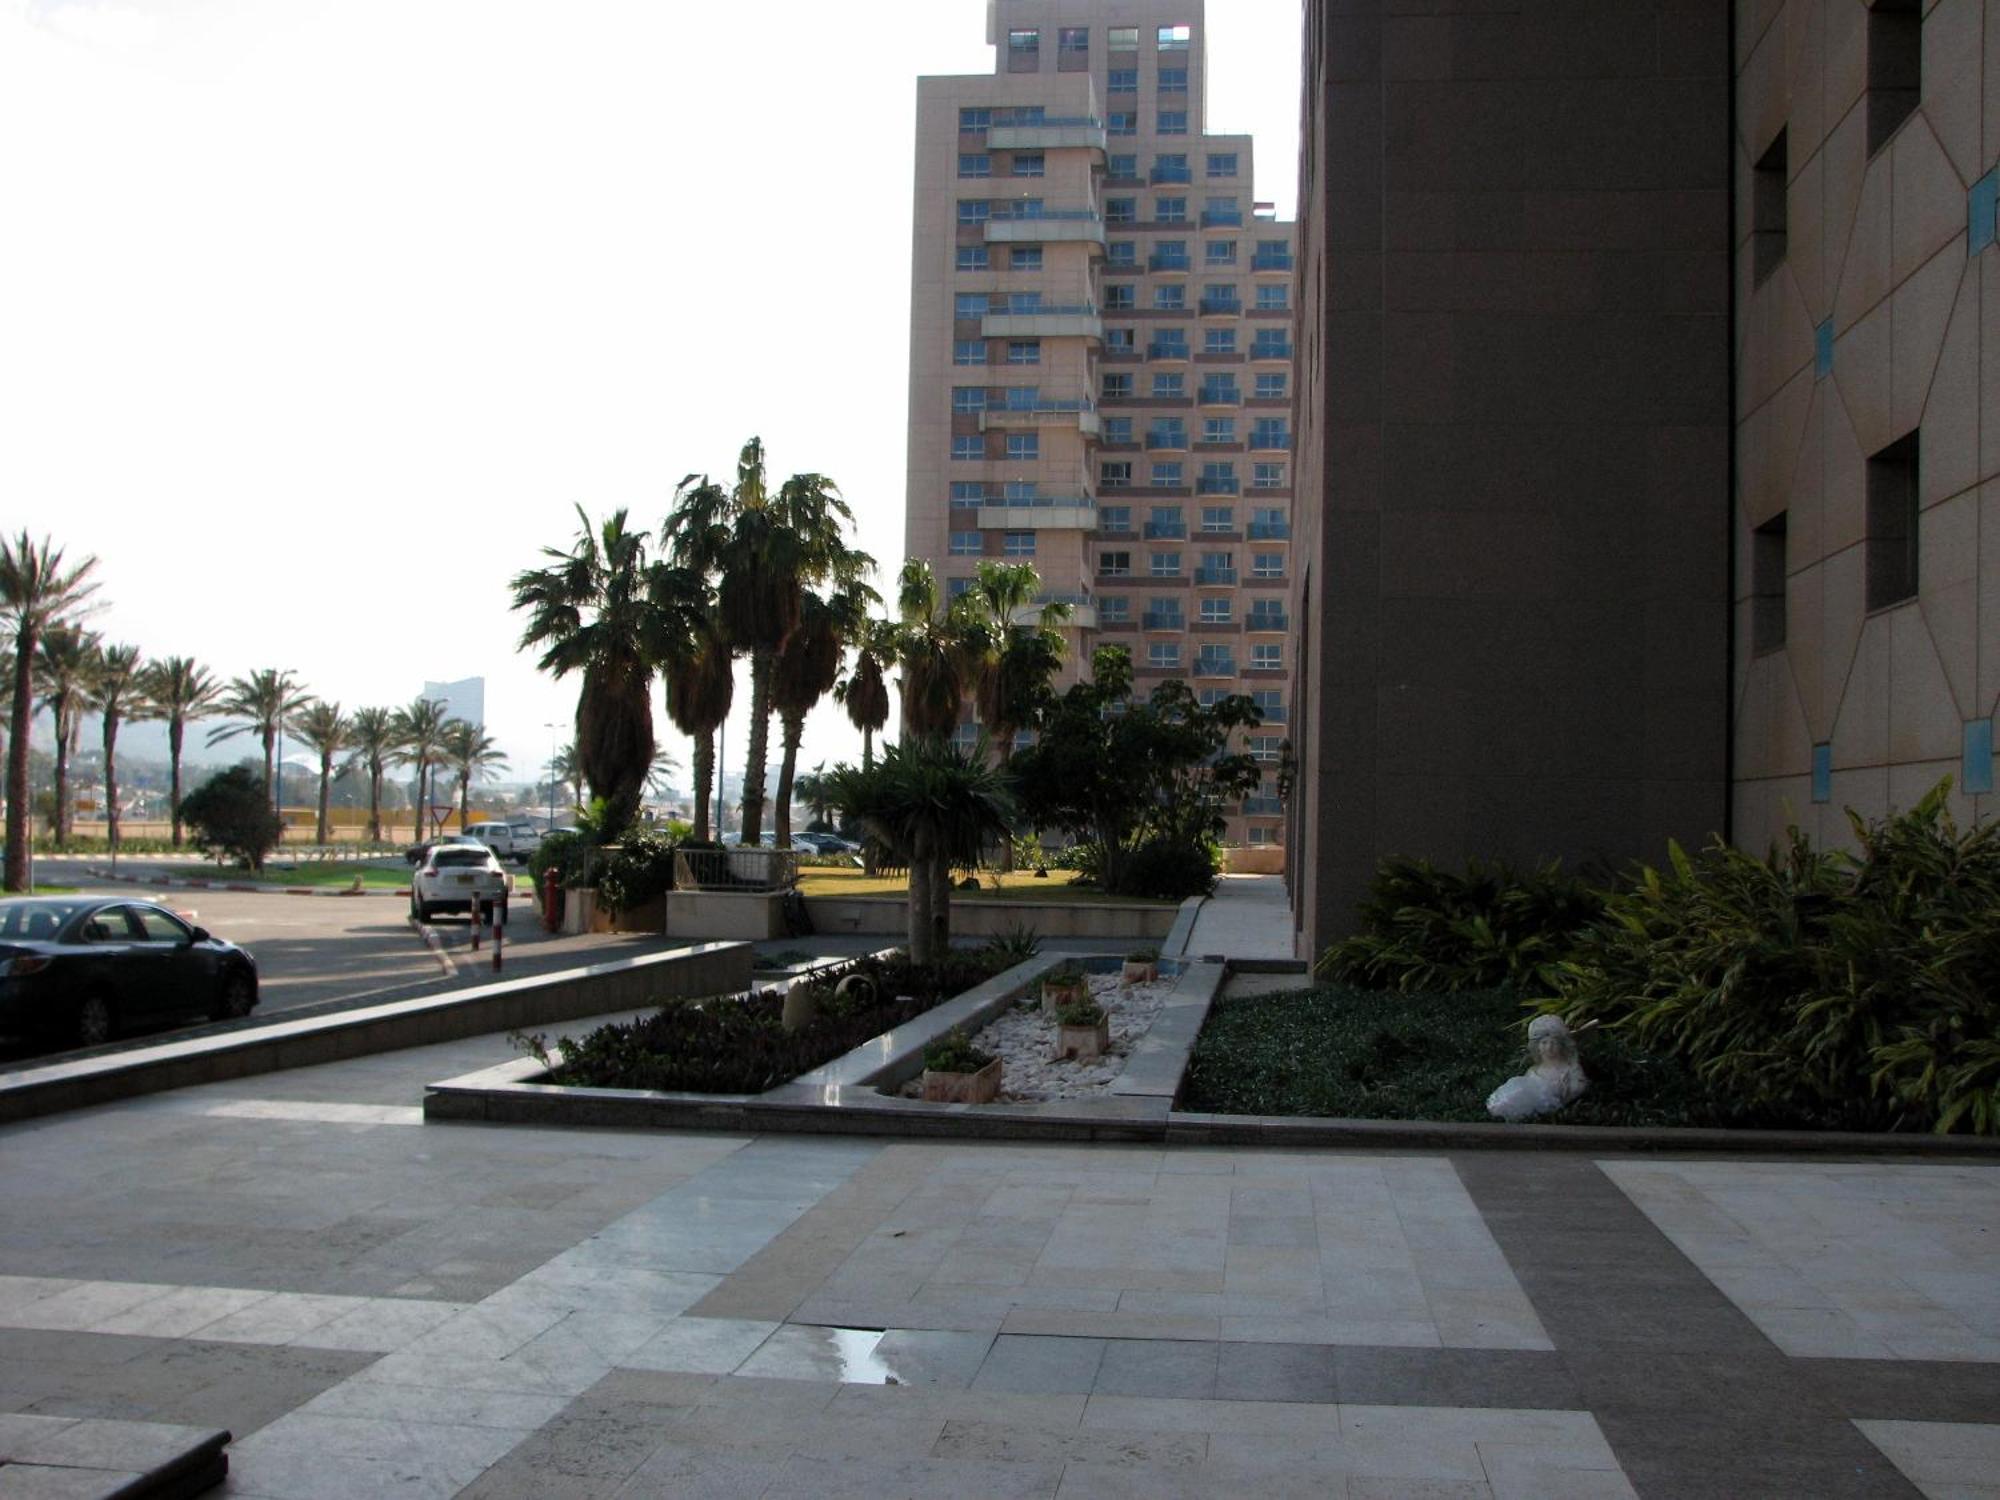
<point x="1084" y="1043"/>
<point x="1138" y="973"/>
<point x="982" y="1087"/>
<point x="1055" y="996"/>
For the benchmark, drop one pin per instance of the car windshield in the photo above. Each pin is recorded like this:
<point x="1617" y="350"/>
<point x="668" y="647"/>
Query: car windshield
<point x="35" y="919"/>
<point x="459" y="854"/>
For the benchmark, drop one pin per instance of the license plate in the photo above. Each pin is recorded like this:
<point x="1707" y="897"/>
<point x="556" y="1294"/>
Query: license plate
<point x="462" y="880"/>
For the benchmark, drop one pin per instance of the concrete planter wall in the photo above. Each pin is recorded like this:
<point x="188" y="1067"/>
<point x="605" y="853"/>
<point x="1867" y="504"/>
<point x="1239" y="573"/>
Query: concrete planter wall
<point x="647" y="916"/>
<point x="982" y="1087"/>
<point x="748" y="916"/>
<point x="579" y="910"/>
<point x="890" y="916"/>
<point x="1263" y="859"/>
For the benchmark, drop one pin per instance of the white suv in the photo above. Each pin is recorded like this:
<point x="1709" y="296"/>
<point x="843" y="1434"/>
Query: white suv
<point x="458" y="877"/>
<point x="515" y="841"/>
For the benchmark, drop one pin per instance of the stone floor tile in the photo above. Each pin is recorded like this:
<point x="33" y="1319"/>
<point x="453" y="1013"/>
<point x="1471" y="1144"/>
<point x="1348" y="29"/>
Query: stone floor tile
<point x="1014" y="1442"/>
<point x="933" y="1357"/>
<point x="1158" y="1367"/>
<point x="1275" y="1372"/>
<point x="700" y="1473"/>
<point x="86" y="1305"/>
<point x="707" y="1346"/>
<point x="49" y="1482"/>
<point x="1213" y="1417"/>
<point x="1033" y="1363"/>
<point x="1527" y="1472"/>
<point x="812" y="1477"/>
<point x="1956" y="1458"/>
<point x="283" y="1318"/>
<point x="181" y="1311"/>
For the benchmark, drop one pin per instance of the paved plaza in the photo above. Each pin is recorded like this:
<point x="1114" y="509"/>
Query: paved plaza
<point x="376" y="1306"/>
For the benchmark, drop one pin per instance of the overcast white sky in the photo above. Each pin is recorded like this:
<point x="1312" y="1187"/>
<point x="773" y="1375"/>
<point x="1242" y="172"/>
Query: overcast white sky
<point x="318" y="316"/>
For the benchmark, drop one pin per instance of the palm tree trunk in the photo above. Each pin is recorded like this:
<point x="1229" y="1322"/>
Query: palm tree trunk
<point x="704" y="776"/>
<point x="940" y="906"/>
<point x="271" y="787"/>
<point x="111" y="780"/>
<point x="464" y="799"/>
<point x="867" y="749"/>
<point x="374" y="805"/>
<point x="325" y="789"/>
<point x="761" y="664"/>
<point x="176" y="729"/>
<point x="17" y="762"/>
<point x="65" y="745"/>
<point x="922" y="894"/>
<point x="794" y="726"/>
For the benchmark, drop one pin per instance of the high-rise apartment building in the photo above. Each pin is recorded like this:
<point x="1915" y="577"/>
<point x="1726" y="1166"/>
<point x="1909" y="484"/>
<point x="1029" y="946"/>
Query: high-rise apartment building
<point x="1101" y="352"/>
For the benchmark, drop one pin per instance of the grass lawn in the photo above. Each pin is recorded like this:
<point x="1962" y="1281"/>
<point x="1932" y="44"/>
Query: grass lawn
<point x="1371" y="1055"/>
<point x="334" y="877"/>
<point x="1016" y="885"/>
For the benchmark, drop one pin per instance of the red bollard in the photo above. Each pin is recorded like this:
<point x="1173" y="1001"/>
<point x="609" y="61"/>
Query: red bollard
<point x="499" y="930"/>
<point x="552" y="902"/>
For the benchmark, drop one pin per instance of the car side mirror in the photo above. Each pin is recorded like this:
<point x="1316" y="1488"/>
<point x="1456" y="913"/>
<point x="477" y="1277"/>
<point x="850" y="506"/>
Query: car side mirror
<point x="201" y="935"/>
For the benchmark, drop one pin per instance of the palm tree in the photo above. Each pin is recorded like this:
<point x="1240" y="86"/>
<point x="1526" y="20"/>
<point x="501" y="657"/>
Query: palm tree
<point x="327" y="732"/>
<point x="808" y="665"/>
<point x="592" y="611"/>
<point x="419" y="731"/>
<point x="62" y="672"/>
<point x="1018" y="653"/>
<point x="372" y="736"/>
<point x="701" y="684"/>
<point x="117" y="692"/>
<point x="934" y="806"/>
<point x="660" y="775"/>
<point x="183" y="691"/>
<point x="815" y="789"/>
<point x="567" y="772"/>
<point x="471" y="752"/>
<point x="936" y="652"/>
<point x="864" y="692"/>
<point x="259" y="704"/>
<point x="36" y="590"/>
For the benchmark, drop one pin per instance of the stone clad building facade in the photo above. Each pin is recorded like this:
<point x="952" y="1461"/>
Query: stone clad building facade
<point x="1649" y="425"/>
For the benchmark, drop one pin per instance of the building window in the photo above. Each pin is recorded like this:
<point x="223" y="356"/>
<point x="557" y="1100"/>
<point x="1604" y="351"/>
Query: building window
<point x="1024" y="258"/>
<point x="1122" y="39"/>
<point x="1024" y="50"/>
<point x="1073" y="42"/>
<point x="1217" y="517"/>
<point x="1124" y="168"/>
<point x="1217" y="567"/>
<point x="1030" y="164"/>
<point x="975" y="118"/>
<point x="968" y="352"/>
<point x="1121" y="296"/>
<point x="1222" y="164"/>
<point x="1274" y="298"/>
<point x="1169" y="255"/>
<point x="1169" y="343"/>
<point x="974" y="210"/>
<point x="1173" y="80"/>
<point x="965" y="544"/>
<point x="1218" y="430"/>
<point x="1122" y="122"/>
<point x="953" y="587"/>
<point x="1117" y="431"/>
<point x="1892" y="524"/>
<point x="1122" y="255"/>
<point x="1173" y="122"/>
<point x="1220" y="297"/>
<point x="1215" y="610"/>
<point x="1217" y="479"/>
<point x="1267" y="476"/>
<point x="1163" y="654"/>
<point x="1174" y="38"/>
<point x="1218" y="341"/>
<point x="1018" y="544"/>
<point x="967" y="494"/>
<point x="1895" y="66"/>
<point x="1221" y="390"/>
<point x="1221" y="252"/>
<point x="1114" y="565"/>
<point x="1164" y="565"/>
<point x="1021" y="491"/>
<point x="968" y="398"/>
<point x="1221" y="211"/>
<point x="1020" y="397"/>
<point x="1171" y="166"/>
<point x="1767" y="211"/>
<point x="1269" y="522"/>
<point x="967" y="447"/>
<point x="1117" y="385"/>
<point x="974" y="164"/>
<point x="974" y="258"/>
<point x="1166" y="519"/>
<point x="969" y="306"/>
<point x="1167" y="432"/>
<point x="1169" y="387"/>
<point x="1114" y="609"/>
<point x="1024" y="351"/>
<point x="1267" y="565"/>
<point x="1116" y="517"/>
<point x="1215" y="660"/>
<point x="1121" y="210"/>
<point x="1265" y="747"/>
<point x="1271" y="343"/>
<point x="1270" y="702"/>
<point x="1267" y="658"/>
<point x="1024" y="303"/>
<point x="1122" y="81"/>
<point x="1024" y="445"/>
<point x="1767" y="585"/>
<point x="1170" y="297"/>
<point x="1271" y="387"/>
<point x="1170" y="210"/>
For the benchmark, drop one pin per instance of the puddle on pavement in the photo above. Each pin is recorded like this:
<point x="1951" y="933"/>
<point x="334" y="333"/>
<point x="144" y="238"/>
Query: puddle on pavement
<point x="854" y="1350"/>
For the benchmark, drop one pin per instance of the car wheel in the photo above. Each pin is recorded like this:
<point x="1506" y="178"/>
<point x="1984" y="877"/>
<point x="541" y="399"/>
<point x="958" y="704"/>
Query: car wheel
<point x="96" y="1019"/>
<point x="238" y="997"/>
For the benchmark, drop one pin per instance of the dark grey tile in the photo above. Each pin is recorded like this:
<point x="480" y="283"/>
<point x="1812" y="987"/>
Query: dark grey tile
<point x="1176" y="1368"/>
<point x="1262" y="1232"/>
<point x="1039" y="1364"/>
<point x="1907" y="1390"/>
<point x="1275" y="1372"/>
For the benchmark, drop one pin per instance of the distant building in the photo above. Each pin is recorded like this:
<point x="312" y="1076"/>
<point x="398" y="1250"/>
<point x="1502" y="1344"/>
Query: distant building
<point x="464" y="699"/>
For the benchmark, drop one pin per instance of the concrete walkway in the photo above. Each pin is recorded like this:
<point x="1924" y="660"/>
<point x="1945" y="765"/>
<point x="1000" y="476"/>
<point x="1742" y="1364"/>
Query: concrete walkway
<point x="376" y="1306"/>
<point x="1247" y="917"/>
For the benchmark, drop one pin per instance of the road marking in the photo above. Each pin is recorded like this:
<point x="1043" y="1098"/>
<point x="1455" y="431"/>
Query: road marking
<point x="436" y="945"/>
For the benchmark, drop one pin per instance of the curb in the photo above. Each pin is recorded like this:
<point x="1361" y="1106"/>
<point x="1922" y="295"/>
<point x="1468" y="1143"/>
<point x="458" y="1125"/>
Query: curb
<point x="244" y="887"/>
<point x="436" y="944"/>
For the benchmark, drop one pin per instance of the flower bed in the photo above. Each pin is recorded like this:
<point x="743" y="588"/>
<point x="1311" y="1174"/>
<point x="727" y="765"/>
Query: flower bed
<point x="737" y="1044"/>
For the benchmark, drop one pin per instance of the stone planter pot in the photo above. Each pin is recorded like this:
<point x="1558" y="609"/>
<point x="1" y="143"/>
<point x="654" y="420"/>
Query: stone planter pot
<point x="1138" y="973"/>
<point x="1084" y="1043"/>
<point x="982" y="1087"/>
<point x="1055" y="996"/>
<point x="580" y="910"/>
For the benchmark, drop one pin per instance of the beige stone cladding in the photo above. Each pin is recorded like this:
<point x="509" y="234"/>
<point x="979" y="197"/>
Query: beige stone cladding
<point x="1867" y="517"/>
<point x="1101" y="353"/>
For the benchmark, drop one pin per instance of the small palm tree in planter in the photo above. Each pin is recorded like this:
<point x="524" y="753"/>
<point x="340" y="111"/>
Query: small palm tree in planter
<point x="1065" y="984"/>
<point x="1142" y="966"/>
<point x="956" y="1072"/>
<point x="1083" y="1031"/>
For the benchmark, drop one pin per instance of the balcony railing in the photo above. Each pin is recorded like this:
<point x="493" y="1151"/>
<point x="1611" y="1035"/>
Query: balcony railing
<point x="1215" y="575"/>
<point x="1168" y="262"/>
<point x="1261" y="807"/>
<point x="1271" y="260"/>
<point x="1174" y="438"/>
<point x="1270" y="531"/>
<point x="1163" y="173"/>
<point x="1213" y="217"/>
<point x="736" y="869"/>
<point x="1214" y="666"/>
<point x="1166" y="531"/>
<point x="1221" y="307"/>
<point x="1274" y="714"/>
<point x="1264" y="350"/>
<point x="1222" y="395"/>
<point x="1155" y="620"/>
<point x="1217" y="487"/>
<point x="1158" y="350"/>
<point x="1265" y="620"/>
<point x="1275" y="442"/>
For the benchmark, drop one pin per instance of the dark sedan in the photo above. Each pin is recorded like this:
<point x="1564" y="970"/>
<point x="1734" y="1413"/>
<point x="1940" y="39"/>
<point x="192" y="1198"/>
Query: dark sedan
<point x="83" y="968"/>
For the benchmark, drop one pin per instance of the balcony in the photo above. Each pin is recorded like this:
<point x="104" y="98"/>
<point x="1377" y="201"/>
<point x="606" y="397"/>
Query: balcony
<point x="1222" y="307"/>
<point x="1077" y="412"/>
<point x="1039" y="515"/>
<point x="1082" y="611"/>
<point x="1173" y="438"/>
<point x="1271" y="442"/>
<point x="1271" y="260"/>
<point x="1270" y="531"/>
<point x="1070" y="132"/>
<point x="1166" y="531"/>
<point x="1222" y="395"/>
<point x="1217" y="577"/>
<point x="1217" y="487"/>
<point x="1166" y="350"/>
<point x="1263" y="350"/>
<point x="1273" y="714"/>
<point x="1221" y="218"/>
<point x="1214" y="666"/>
<point x="1166" y="261"/>
<point x="1265" y="620"/>
<point x="1163" y="173"/>
<point x="1155" y="619"/>
<point x="1261" y="807"/>
<point x="1050" y="226"/>
<point x="1050" y="321"/>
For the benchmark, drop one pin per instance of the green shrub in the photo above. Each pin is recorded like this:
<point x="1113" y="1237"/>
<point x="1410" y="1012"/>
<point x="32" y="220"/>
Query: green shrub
<point x="573" y="856"/>
<point x="1079" y="1013"/>
<point x="639" y="870"/>
<point x="1846" y="990"/>
<point x="1170" y="868"/>
<point x="954" y="1053"/>
<point x="1016" y="945"/>
<point x="231" y="812"/>
<point x="1423" y="928"/>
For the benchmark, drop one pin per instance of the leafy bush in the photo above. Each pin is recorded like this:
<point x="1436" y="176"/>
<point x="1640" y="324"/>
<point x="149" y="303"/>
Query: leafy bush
<point x="1079" y="1013"/>
<point x="1143" y="956"/>
<point x="1846" y="990"/>
<point x="1171" y="868"/>
<point x="737" y="1044"/>
<point x="954" y="1053"/>
<point x="573" y="856"/>
<point x="1423" y="928"/>
<point x="231" y="811"/>
<point x="1016" y="945"/>
<point x="639" y="870"/>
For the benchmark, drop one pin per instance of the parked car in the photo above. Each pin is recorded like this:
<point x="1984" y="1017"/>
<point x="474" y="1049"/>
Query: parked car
<point x="83" y="968"/>
<point x="416" y="852"/>
<point x="464" y="877"/>
<point x="514" y="840"/>
<point x="826" y="843"/>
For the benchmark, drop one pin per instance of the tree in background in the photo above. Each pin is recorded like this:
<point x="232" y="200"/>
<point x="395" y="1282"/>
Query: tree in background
<point x="864" y="692"/>
<point x="471" y="753"/>
<point x="808" y="666"/>
<point x="117" y="692"/>
<point x="327" y="732"/>
<point x="259" y="704"/>
<point x="591" y="611"/>
<point x="372" y="735"/>
<point x="420" y="742"/>
<point x="816" y="789"/>
<point x="1017" y="652"/>
<point x="183" y="691"/>
<point x="62" y="675"/>
<point x="36" y="590"/>
<point x="232" y="812"/>
<point x="696" y="671"/>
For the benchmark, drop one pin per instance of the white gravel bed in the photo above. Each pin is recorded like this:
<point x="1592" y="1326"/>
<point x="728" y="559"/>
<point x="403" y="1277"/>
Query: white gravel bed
<point x="1024" y="1039"/>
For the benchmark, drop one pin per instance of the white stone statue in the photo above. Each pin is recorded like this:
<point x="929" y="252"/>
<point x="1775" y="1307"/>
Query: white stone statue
<point x="1554" y="1077"/>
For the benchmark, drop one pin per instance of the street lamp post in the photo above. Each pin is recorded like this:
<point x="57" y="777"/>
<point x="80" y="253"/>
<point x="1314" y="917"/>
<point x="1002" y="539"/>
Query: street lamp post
<point x="554" y="745"/>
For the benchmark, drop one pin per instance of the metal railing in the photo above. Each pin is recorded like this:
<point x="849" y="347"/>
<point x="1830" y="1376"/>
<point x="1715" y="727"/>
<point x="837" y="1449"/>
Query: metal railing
<point x="1168" y="263"/>
<point x="1154" y="620"/>
<point x="1168" y="439"/>
<point x="1171" y="174"/>
<point x="1276" y="442"/>
<point x="1212" y="217"/>
<point x="1270" y="531"/>
<point x="1265" y="349"/>
<point x="1215" y="575"/>
<point x="1016" y="212"/>
<point x="1166" y="349"/>
<point x="748" y="870"/>
<point x="1222" y="395"/>
<point x="1266" y="260"/>
<point x="1166" y="530"/>
<point x="1217" y="487"/>
<point x="1265" y="620"/>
